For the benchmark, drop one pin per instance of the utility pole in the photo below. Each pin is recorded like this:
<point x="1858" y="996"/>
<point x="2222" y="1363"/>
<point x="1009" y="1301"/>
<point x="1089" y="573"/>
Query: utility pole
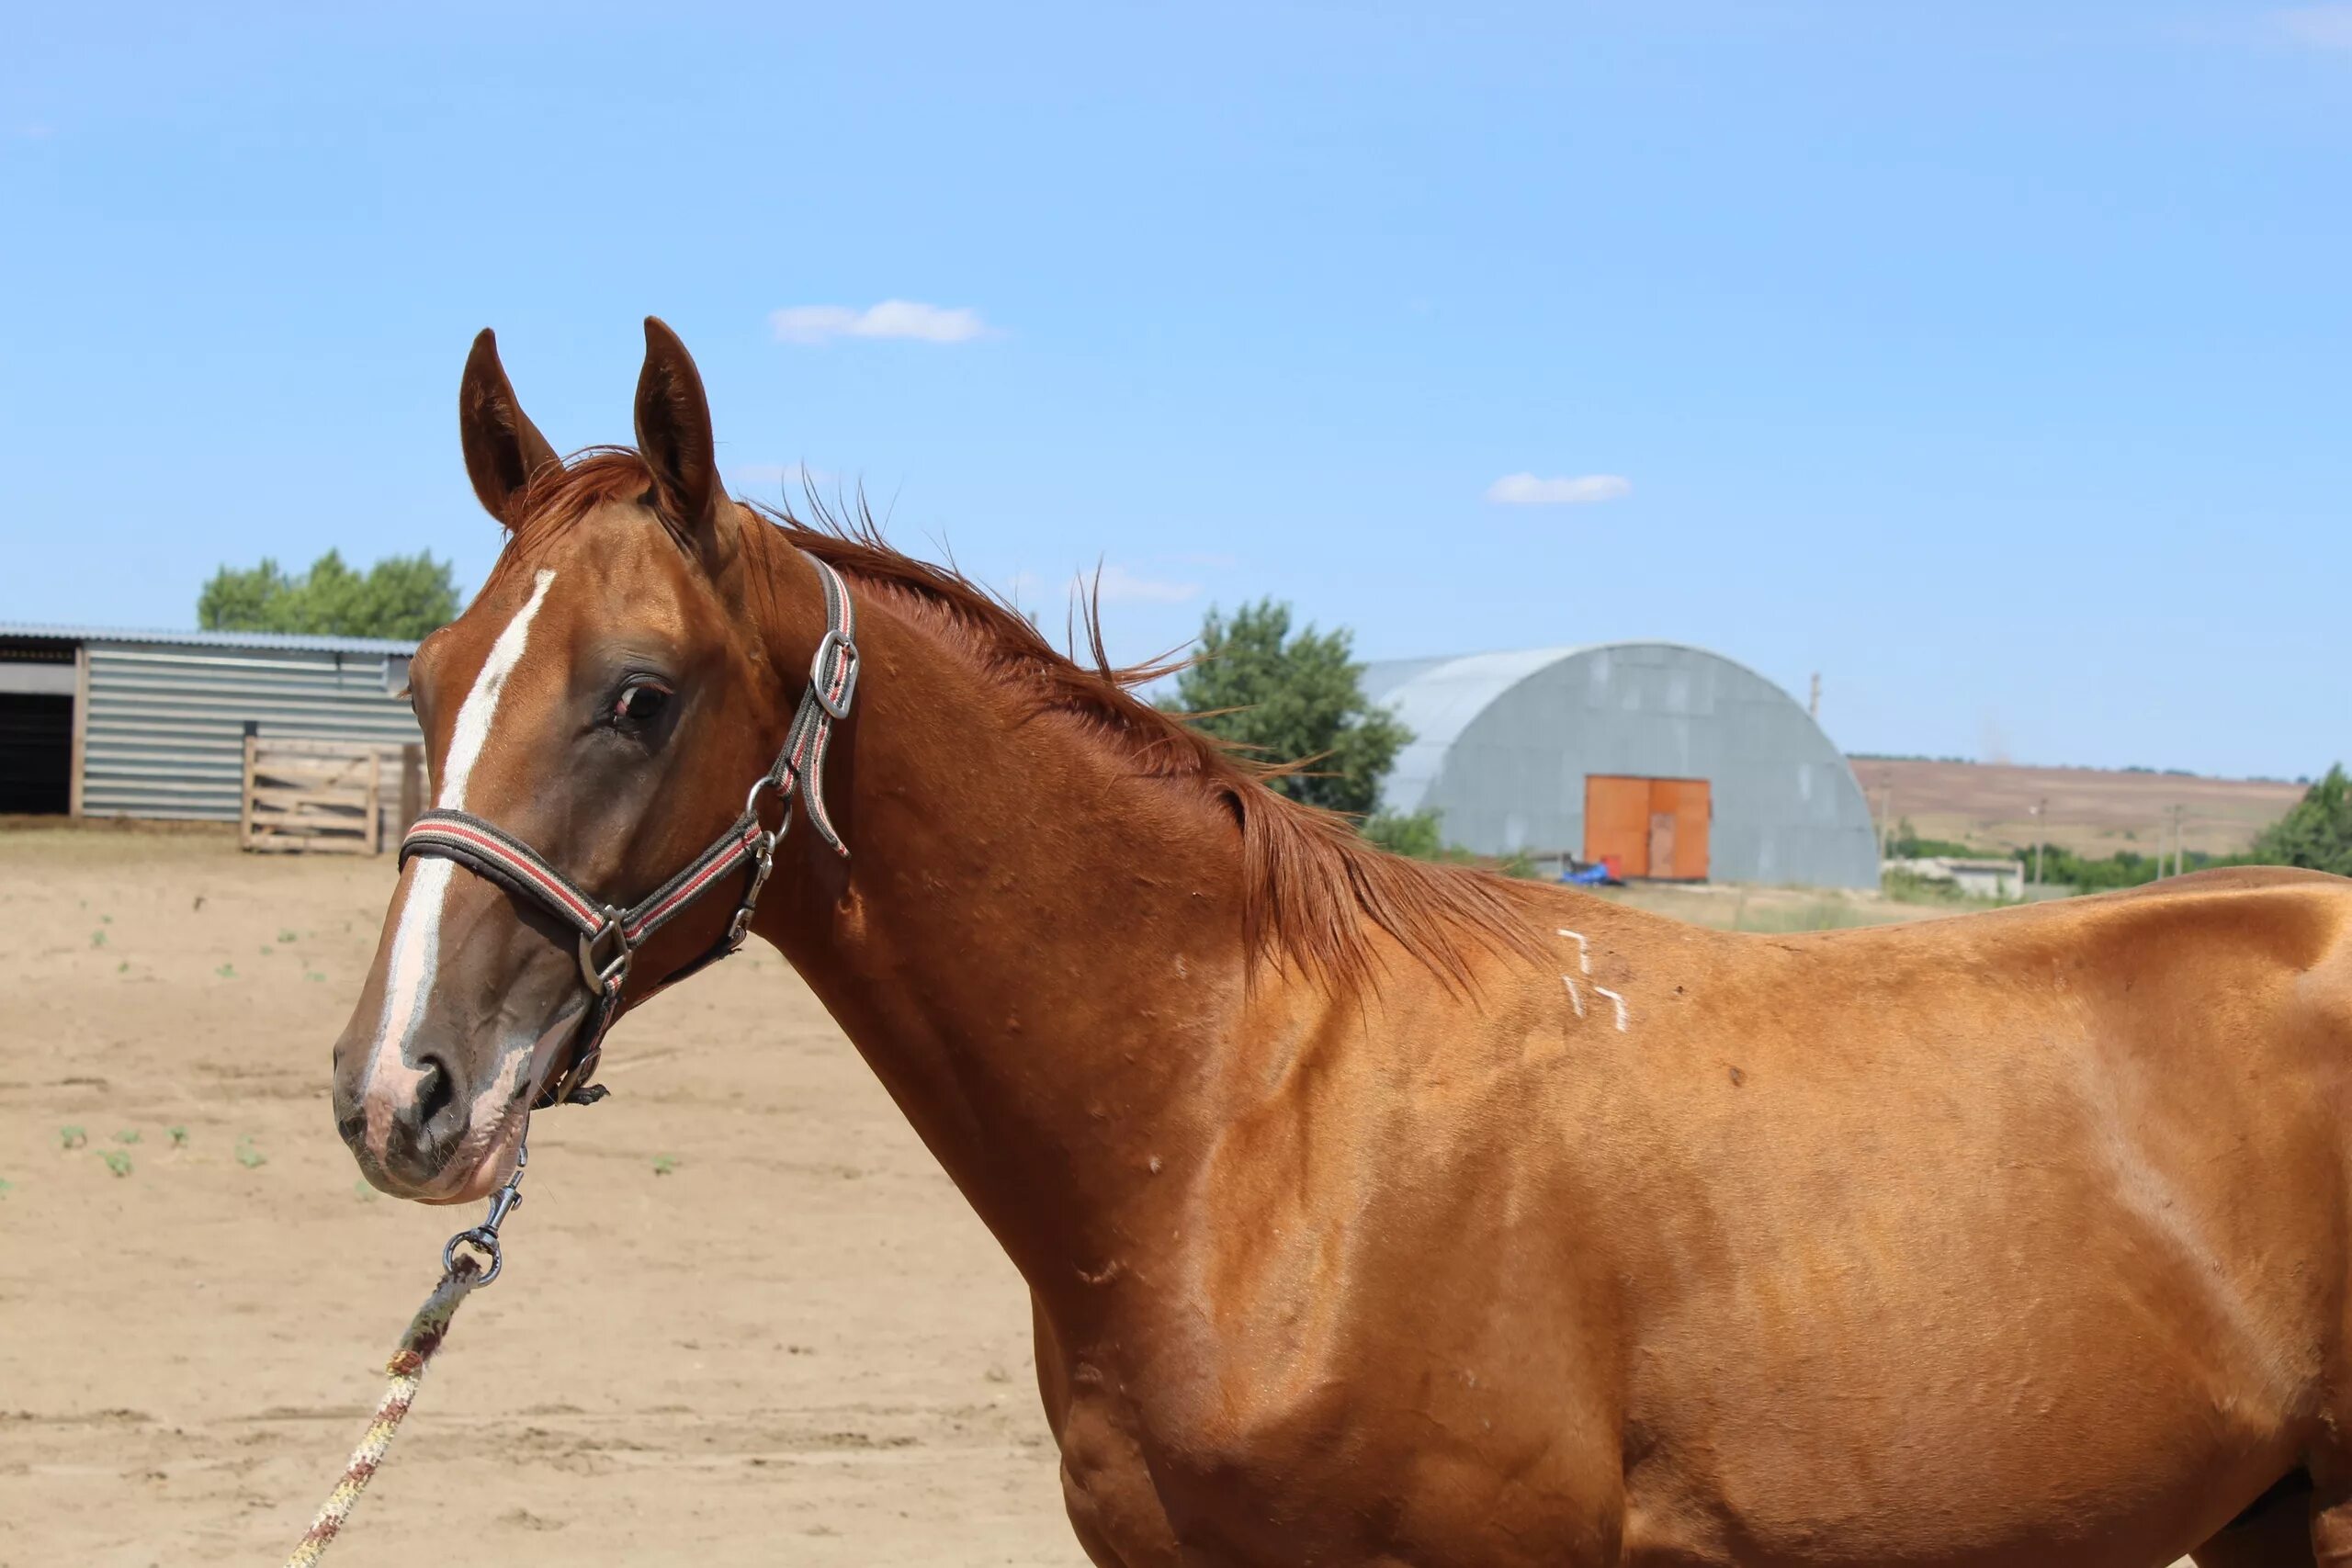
<point x="2040" y="831"/>
<point x="2169" y="850"/>
<point x="1813" y="705"/>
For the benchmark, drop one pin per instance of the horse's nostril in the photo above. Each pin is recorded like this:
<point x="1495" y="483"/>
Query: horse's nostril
<point x="433" y="1095"/>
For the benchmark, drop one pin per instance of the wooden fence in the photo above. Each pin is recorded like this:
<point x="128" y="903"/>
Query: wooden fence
<point x="328" y="797"/>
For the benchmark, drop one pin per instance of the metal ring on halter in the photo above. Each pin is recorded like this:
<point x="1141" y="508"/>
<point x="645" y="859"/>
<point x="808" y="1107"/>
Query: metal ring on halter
<point x="605" y="976"/>
<point x="764" y="782"/>
<point x="838" y="707"/>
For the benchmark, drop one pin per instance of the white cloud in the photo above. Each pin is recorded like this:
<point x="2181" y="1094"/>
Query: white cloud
<point x="1118" y="585"/>
<point x="1526" y="489"/>
<point x="892" y="318"/>
<point x="2316" y="27"/>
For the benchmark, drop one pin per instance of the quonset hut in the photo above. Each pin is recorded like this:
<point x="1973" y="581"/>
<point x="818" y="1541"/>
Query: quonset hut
<point x="1663" y="760"/>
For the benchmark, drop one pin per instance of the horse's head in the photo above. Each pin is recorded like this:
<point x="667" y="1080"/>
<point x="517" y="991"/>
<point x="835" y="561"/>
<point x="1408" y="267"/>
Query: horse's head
<point x="603" y="701"/>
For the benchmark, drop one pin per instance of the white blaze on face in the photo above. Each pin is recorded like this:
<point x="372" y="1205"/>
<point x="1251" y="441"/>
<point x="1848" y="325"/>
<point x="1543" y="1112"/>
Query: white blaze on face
<point x="416" y="941"/>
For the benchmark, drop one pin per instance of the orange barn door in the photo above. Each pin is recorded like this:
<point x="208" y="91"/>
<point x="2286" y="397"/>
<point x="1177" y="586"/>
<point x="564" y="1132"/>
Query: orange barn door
<point x="1688" y="806"/>
<point x="1617" y="822"/>
<point x="1649" y="826"/>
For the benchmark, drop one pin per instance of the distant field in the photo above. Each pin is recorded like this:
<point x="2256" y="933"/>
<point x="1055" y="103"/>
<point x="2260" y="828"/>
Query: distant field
<point x="1778" y="909"/>
<point x="2091" y="812"/>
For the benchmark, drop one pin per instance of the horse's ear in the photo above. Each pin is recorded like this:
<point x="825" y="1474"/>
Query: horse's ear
<point x="673" y="433"/>
<point x="503" y="449"/>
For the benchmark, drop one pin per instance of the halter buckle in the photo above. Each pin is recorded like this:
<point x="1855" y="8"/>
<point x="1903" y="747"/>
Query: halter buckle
<point x="834" y="641"/>
<point x="605" y="976"/>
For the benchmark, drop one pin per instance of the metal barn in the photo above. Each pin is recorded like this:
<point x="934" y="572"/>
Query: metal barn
<point x="1665" y="760"/>
<point x="100" y="721"/>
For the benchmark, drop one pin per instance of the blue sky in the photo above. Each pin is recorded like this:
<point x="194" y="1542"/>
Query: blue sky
<point x="1990" y="360"/>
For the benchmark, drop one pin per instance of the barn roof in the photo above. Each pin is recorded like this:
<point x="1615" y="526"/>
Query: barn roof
<point x="289" y="641"/>
<point x="1439" y="698"/>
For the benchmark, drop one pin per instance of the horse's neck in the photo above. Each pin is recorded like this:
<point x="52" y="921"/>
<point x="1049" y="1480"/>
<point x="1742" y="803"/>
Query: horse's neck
<point x="1036" y="948"/>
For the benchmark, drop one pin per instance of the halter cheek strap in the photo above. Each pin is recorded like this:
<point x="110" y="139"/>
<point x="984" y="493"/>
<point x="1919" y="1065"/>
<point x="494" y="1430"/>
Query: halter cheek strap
<point x="610" y="936"/>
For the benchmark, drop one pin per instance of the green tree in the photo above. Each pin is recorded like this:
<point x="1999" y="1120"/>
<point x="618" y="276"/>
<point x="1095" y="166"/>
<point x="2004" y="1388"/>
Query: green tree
<point x="400" y="596"/>
<point x="1292" y="697"/>
<point x="2317" y="833"/>
<point x="1417" y="834"/>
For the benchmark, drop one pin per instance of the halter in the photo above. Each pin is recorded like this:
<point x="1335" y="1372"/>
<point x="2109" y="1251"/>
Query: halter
<point x="609" y="936"/>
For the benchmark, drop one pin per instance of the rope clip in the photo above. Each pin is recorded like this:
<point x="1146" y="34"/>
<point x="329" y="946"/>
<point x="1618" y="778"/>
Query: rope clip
<point x="483" y="1237"/>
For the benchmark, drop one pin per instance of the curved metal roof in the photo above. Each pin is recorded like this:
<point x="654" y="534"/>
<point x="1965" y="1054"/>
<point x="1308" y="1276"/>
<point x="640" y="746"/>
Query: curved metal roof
<point x="1504" y="746"/>
<point x="1437" y="698"/>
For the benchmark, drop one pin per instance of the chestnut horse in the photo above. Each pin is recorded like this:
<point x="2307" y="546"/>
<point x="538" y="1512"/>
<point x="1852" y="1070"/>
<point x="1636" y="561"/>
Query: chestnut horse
<point x="1379" y="1213"/>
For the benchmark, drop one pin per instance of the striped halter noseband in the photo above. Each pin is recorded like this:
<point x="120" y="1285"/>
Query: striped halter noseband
<point x="610" y="936"/>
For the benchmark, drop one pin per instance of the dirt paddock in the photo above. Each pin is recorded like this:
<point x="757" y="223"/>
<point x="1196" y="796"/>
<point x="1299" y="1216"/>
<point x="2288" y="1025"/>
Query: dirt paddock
<point x="744" y="1319"/>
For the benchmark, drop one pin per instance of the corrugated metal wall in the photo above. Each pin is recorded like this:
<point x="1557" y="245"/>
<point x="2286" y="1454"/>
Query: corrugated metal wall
<point x="167" y="721"/>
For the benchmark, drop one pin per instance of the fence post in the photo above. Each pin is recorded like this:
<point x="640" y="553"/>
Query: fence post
<point x="375" y="803"/>
<point x="245" y="795"/>
<point x="411" y="785"/>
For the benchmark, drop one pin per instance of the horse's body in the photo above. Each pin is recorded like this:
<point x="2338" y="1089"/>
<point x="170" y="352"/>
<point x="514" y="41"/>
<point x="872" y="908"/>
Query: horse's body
<point x="1374" y="1213"/>
<point x="2016" y="1239"/>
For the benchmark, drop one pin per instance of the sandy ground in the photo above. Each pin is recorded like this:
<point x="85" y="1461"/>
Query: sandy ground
<point x="796" y="1347"/>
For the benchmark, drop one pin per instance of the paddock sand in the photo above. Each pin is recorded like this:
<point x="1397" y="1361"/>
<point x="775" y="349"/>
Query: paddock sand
<point x="798" y="1347"/>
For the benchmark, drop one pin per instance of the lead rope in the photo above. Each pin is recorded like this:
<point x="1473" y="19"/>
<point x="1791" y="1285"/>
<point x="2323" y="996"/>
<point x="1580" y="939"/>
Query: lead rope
<point x="463" y="1274"/>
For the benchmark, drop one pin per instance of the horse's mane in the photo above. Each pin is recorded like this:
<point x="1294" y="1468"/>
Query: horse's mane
<point x="1310" y="882"/>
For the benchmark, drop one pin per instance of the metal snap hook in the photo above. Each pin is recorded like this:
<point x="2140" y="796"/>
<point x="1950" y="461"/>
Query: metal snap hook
<point x="483" y="1237"/>
<point x="763" y="863"/>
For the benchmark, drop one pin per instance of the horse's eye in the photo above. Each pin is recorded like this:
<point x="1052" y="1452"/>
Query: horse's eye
<point x="640" y="704"/>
